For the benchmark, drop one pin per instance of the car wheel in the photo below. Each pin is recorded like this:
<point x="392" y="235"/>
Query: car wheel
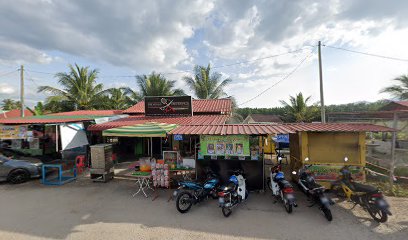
<point x="18" y="176"/>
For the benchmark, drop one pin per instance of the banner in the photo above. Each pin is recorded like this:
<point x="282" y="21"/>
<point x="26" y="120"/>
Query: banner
<point x="234" y="145"/>
<point x="73" y="135"/>
<point x="331" y="173"/>
<point x="13" y="132"/>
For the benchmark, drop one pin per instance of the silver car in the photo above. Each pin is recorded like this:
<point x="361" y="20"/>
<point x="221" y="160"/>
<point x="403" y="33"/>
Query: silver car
<point x="18" y="171"/>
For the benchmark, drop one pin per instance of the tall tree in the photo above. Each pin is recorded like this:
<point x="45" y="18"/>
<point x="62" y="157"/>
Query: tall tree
<point x="297" y="109"/>
<point x="10" y="104"/>
<point x="117" y="98"/>
<point x="207" y="85"/>
<point x="79" y="90"/>
<point x="156" y="84"/>
<point x="399" y="90"/>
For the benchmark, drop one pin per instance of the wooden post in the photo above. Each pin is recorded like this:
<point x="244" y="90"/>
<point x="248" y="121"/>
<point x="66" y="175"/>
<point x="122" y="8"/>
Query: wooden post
<point x="393" y="143"/>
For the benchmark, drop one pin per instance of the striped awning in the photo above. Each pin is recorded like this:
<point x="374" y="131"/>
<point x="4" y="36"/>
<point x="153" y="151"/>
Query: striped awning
<point x="150" y="129"/>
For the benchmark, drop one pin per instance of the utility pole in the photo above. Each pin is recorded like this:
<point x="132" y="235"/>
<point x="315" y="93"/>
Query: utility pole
<point x="323" y="111"/>
<point x="22" y="90"/>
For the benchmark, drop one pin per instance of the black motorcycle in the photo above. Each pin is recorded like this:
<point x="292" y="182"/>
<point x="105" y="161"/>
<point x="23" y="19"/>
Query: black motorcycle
<point x="314" y="192"/>
<point x="190" y="192"/>
<point x="369" y="197"/>
<point x="232" y="193"/>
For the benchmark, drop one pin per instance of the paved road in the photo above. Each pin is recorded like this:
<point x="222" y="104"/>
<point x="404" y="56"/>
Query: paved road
<point x="86" y="210"/>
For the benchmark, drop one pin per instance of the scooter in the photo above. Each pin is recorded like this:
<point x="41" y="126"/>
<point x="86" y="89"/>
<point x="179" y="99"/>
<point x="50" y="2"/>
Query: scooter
<point x="281" y="188"/>
<point x="314" y="191"/>
<point x="369" y="197"/>
<point x="232" y="194"/>
<point x="190" y="192"/>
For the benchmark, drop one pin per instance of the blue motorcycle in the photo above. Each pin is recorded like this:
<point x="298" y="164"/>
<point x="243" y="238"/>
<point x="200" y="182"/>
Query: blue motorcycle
<point x="190" y="192"/>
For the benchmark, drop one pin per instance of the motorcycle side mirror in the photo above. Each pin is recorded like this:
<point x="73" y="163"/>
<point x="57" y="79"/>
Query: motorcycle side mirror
<point x="294" y="172"/>
<point x="306" y="159"/>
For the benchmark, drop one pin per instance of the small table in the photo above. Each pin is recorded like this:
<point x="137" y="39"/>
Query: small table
<point x="143" y="182"/>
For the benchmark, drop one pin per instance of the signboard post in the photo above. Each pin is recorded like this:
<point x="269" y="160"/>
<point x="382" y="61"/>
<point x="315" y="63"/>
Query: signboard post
<point x="168" y="106"/>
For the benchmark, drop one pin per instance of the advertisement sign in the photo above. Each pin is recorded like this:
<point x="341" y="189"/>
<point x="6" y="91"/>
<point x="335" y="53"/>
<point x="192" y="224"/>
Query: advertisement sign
<point x="165" y="106"/>
<point x="331" y="173"/>
<point x="13" y="132"/>
<point x="234" y="145"/>
<point x="178" y="137"/>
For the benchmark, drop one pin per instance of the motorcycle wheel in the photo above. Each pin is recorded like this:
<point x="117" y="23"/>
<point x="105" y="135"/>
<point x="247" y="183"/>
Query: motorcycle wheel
<point x="268" y="182"/>
<point x="226" y="211"/>
<point x="184" y="201"/>
<point x="288" y="207"/>
<point x="327" y="214"/>
<point x="377" y="214"/>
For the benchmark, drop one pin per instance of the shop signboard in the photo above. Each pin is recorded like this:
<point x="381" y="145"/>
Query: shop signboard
<point x="178" y="137"/>
<point x="332" y="173"/>
<point x="165" y="106"/>
<point x="13" y="132"/>
<point x="232" y="145"/>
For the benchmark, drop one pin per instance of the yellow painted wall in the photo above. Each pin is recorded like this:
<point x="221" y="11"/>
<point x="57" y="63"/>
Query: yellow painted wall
<point x="269" y="145"/>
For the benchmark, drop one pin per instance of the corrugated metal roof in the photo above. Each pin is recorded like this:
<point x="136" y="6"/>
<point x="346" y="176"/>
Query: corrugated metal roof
<point x="338" y="127"/>
<point x="64" y="117"/>
<point x="232" y="129"/>
<point x="14" y="113"/>
<point x="222" y="106"/>
<point x="185" y="120"/>
<point x="89" y="112"/>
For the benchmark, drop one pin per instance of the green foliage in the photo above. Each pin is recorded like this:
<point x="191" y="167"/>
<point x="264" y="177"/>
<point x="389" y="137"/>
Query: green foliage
<point x="79" y="90"/>
<point x="207" y="85"/>
<point x="117" y="98"/>
<point x="10" y="104"/>
<point x="357" y="106"/>
<point x="156" y="84"/>
<point x="38" y="109"/>
<point x="400" y="89"/>
<point x="297" y="110"/>
<point x="244" y="112"/>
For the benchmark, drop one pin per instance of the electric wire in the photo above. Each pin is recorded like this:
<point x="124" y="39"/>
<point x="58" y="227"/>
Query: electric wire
<point x="367" y="54"/>
<point x="8" y="73"/>
<point x="284" y="78"/>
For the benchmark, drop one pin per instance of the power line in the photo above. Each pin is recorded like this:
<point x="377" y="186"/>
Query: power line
<point x="367" y="54"/>
<point x="189" y="71"/>
<point x="8" y="73"/>
<point x="284" y="78"/>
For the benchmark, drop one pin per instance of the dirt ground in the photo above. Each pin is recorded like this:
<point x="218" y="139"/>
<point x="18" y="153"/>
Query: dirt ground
<point x="87" y="210"/>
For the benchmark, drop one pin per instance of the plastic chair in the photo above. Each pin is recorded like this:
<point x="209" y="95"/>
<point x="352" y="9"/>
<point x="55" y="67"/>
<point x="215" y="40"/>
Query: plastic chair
<point x="80" y="163"/>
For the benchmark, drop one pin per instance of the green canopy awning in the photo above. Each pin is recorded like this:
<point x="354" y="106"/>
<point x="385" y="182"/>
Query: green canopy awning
<point x="150" y="129"/>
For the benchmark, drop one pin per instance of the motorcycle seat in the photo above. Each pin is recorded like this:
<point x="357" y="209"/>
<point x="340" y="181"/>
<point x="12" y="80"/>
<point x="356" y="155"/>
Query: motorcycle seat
<point x="284" y="184"/>
<point x="358" y="187"/>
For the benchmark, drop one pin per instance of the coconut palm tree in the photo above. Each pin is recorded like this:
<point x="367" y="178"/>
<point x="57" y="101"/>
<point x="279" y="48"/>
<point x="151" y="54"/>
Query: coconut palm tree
<point x="10" y="104"/>
<point x="297" y="109"/>
<point x="117" y="98"/>
<point x="207" y="85"/>
<point x="399" y="90"/>
<point x="38" y="109"/>
<point x="79" y="90"/>
<point x="156" y="84"/>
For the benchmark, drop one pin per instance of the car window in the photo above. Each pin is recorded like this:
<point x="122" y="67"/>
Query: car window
<point x="3" y="159"/>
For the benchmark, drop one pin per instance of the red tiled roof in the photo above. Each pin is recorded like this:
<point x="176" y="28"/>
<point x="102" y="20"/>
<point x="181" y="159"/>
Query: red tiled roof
<point x="338" y="127"/>
<point x="232" y="129"/>
<point x="15" y="113"/>
<point x="404" y="103"/>
<point x="185" y="120"/>
<point x="89" y="112"/>
<point x="221" y="106"/>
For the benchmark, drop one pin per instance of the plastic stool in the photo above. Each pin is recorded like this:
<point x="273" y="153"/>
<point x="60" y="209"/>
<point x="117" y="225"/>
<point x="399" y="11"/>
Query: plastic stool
<point x="114" y="158"/>
<point x="80" y="163"/>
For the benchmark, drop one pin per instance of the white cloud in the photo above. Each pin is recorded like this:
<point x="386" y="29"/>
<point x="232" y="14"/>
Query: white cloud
<point x="6" y="89"/>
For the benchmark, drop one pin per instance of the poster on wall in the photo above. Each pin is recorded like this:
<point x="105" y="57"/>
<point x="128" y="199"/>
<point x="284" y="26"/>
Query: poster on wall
<point x="13" y="132"/>
<point x="234" y="145"/>
<point x="331" y="173"/>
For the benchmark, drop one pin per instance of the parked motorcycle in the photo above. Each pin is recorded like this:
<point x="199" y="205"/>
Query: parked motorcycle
<point x="369" y="197"/>
<point x="233" y="193"/>
<point x="281" y="188"/>
<point x="190" y="192"/>
<point x="314" y="191"/>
